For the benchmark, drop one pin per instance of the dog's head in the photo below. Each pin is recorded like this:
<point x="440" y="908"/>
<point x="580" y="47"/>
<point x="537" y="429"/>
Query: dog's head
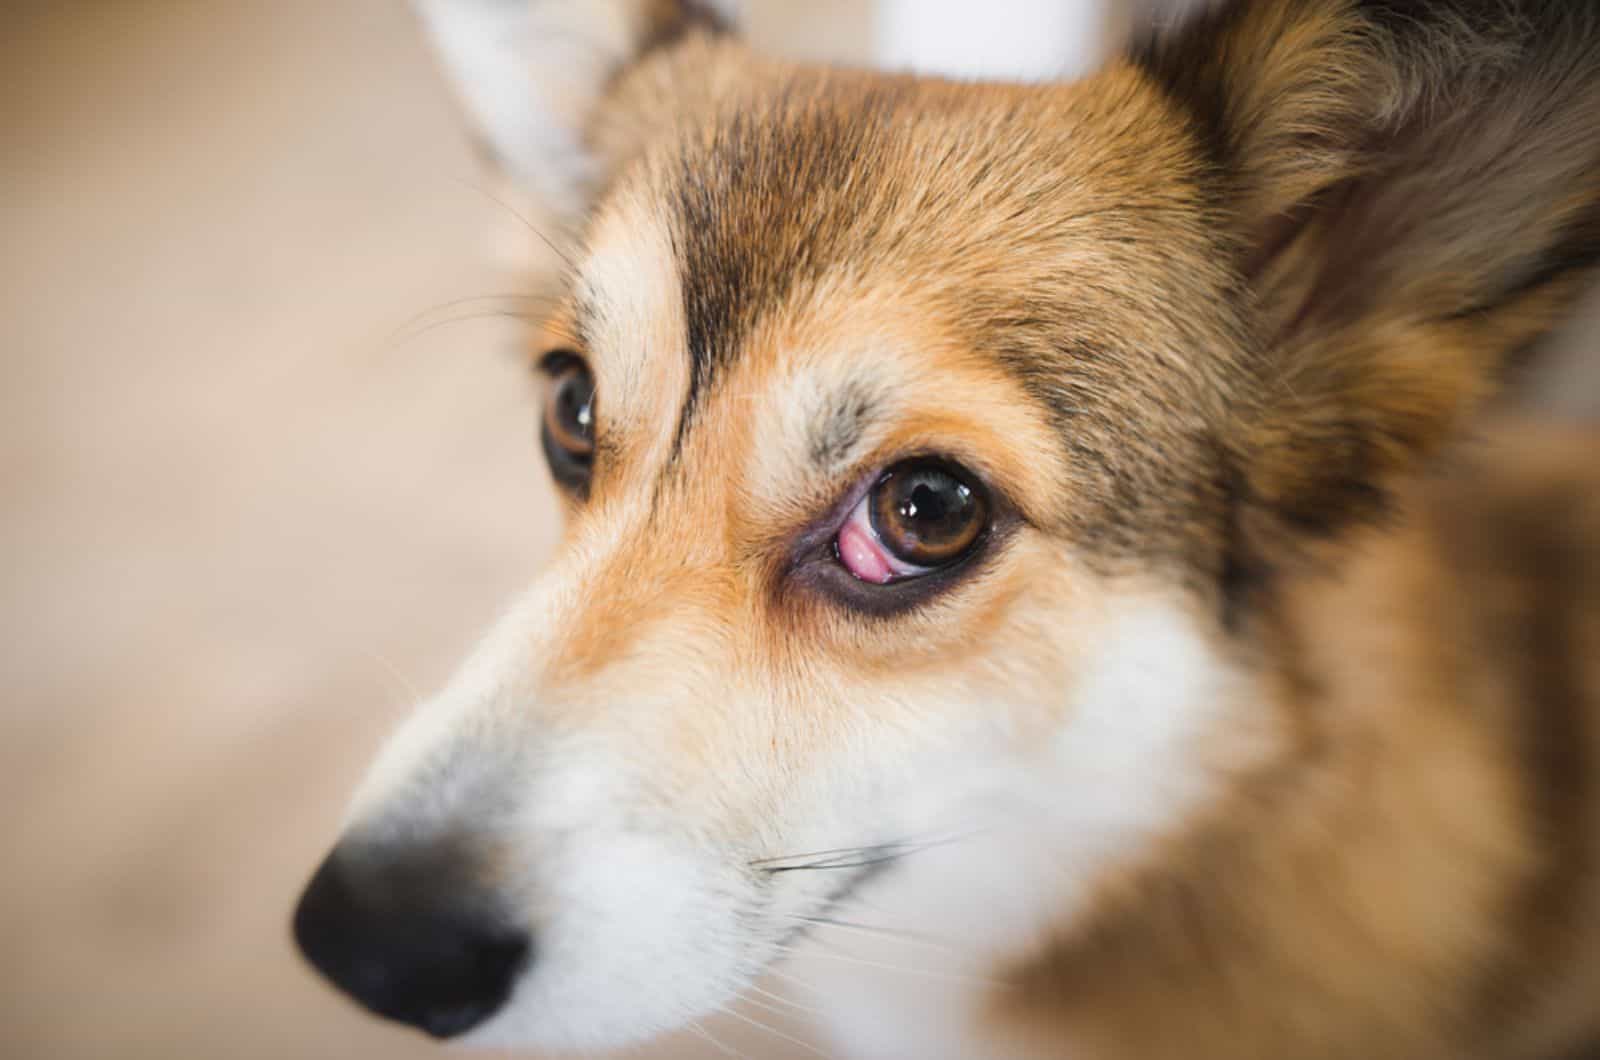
<point x="928" y="449"/>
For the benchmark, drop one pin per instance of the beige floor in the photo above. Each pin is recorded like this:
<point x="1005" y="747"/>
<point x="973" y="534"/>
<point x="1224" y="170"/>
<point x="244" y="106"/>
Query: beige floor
<point x="245" y="515"/>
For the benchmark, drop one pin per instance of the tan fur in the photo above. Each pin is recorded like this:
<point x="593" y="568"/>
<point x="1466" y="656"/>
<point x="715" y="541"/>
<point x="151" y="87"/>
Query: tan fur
<point x="1368" y="892"/>
<point x="1212" y="326"/>
<point x="1394" y="887"/>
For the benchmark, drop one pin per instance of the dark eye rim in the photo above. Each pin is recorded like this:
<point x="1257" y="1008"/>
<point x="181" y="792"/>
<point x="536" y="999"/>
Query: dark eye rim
<point x="814" y="566"/>
<point x="554" y="362"/>
<point x="571" y="470"/>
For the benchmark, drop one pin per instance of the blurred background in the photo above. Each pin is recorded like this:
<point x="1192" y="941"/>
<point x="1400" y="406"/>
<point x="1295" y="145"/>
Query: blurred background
<point x="263" y="477"/>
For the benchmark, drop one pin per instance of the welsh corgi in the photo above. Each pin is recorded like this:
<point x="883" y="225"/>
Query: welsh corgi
<point x="1036" y="582"/>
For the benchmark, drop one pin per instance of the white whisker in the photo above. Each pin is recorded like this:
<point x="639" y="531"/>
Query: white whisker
<point x="726" y="1050"/>
<point x="791" y="978"/>
<point x="823" y="951"/>
<point x="775" y="1032"/>
<point x="765" y="1006"/>
<point x="805" y="1010"/>
<point x="398" y="680"/>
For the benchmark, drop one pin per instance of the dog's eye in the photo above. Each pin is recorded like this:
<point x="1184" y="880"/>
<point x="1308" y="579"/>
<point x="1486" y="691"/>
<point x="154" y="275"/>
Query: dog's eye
<point x="568" y="428"/>
<point x="919" y="516"/>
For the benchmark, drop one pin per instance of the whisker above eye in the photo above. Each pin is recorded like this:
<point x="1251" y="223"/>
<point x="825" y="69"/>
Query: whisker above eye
<point x="420" y="326"/>
<point x="516" y="302"/>
<point x="566" y="259"/>
<point x="524" y="297"/>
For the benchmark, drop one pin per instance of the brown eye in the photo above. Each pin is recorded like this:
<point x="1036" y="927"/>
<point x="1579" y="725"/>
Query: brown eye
<point x="927" y="514"/>
<point x="568" y="428"/>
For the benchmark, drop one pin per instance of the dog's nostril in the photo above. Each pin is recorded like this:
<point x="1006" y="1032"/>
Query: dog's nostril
<point x="410" y="948"/>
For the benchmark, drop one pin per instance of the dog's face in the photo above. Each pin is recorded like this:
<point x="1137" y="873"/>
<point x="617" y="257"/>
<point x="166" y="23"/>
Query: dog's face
<point x="906" y="434"/>
<point x="833" y="580"/>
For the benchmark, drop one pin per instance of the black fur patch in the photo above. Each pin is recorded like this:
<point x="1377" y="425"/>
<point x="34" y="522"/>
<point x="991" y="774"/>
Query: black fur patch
<point x="763" y="208"/>
<point x="840" y="427"/>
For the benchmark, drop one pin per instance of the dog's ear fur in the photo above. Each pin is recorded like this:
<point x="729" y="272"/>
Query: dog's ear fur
<point x="529" y="74"/>
<point x="1413" y="191"/>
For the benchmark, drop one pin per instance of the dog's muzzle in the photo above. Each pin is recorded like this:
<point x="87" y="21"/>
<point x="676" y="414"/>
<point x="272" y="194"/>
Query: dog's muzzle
<point x="404" y="934"/>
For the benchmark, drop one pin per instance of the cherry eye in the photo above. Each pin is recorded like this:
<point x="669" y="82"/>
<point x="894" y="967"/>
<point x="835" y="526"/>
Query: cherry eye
<point x="920" y="516"/>
<point x="568" y="428"/>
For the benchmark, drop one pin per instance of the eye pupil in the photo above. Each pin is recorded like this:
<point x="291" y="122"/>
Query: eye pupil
<point x="925" y="514"/>
<point x="568" y="429"/>
<point x="575" y="406"/>
<point x="925" y="504"/>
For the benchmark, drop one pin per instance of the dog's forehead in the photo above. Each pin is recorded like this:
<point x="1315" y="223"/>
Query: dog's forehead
<point x="800" y="205"/>
<point x="1041" y="256"/>
<point x="765" y="208"/>
<point x="762" y="218"/>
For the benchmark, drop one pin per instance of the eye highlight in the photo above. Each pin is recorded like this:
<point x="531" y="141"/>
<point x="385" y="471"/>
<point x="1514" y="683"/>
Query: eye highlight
<point x="567" y="429"/>
<point x="920" y="516"/>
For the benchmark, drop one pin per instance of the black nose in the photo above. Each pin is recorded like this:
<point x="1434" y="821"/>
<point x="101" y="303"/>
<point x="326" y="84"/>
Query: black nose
<point x="394" y="934"/>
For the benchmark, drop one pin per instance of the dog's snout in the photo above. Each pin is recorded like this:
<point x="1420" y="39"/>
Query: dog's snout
<point x="406" y="943"/>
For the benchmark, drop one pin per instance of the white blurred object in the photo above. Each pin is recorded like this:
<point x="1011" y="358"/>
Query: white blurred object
<point x="1019" y="40"/>
<point x="525" y="71"/>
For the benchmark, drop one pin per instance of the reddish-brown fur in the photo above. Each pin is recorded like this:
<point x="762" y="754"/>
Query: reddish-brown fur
<point x="1252" y="281"/>
<point x="1210" y="329"/>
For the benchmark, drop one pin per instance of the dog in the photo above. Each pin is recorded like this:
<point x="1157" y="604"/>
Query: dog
<point x="1039" y="581"/>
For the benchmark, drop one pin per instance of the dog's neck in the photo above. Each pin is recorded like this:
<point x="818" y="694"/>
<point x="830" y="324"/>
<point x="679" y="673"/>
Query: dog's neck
<point x="1380" y="862"/>
<point x="1375" y="844"/>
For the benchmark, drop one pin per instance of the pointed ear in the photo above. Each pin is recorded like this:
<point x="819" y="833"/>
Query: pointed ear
<point x="530" y="72"/>
<point x="1413" y="191"/>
